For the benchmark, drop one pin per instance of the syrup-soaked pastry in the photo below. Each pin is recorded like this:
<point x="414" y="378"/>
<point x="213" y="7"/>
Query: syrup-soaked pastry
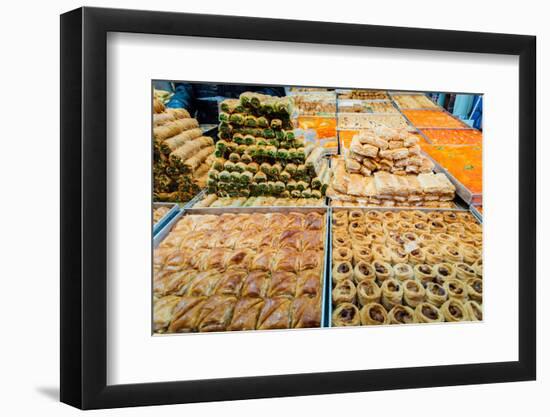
<point x="340" y="218"/>
<point x="286" y="259"/>
<point x="436" y="294"/>
<point x="418" y="216"/>
<point x="162" y="312"/>
<point x="308" y="283"/>
<point x="314" y="221"/>
<point x="309" y="259"/>
<point x="399" y="255"/>
<point x="403" y="272"/>
<point x="342" y="254"/>
<point x="311" y="240"/>
<point x="363" y="271"/>
<point x="405" y="215"/>
<point x="361" y="254"/>
<point x="175" y="283"/>
<point x="420" y="226"/>
<point x="216" y="313"/>
<point x="204" y="284"/>
<point x="424" y="273"/>
<point x="342" y="270"/>
<point x="231" y="282"/>
<point x="185" y="316"/>
<point x="475" y="289"/>
<point x="344" y="292"/>
<point x="291" y="238"/>
<point x="417" y="256"/>
<point x="400" y="314"/>
<point x="357" y="227"/>
<point x="450" y="217"/>
<point x="434" y="216"/>
<point x="464" y="272"/>
<point x="392" y="293"/>
<point x="374" y="215"/>
<point x="341" y="240"/>
<point x="426" y="239"/>
<point x="263" y="260"/>
<point x="474" y="310"/>
<point x="373" y="314"/>
<point x="433" y="254"/>
<point x="256" y="284"/>
<point x="392" y="226"/>
<point x="451" y="253"/>
<point x="383" y="270"/>
<point x="444" y="271"/>
<point x="454" y="310"/>
<point x="368" y="292"/>
<point x="356" y="215"/>
<point x="275" y="314"/>
<point x="405" y="227"/>
<point x="437" y="226"/>
<point x="245" y="314"/>
<point x="381" y="253"/>
<point x="478" y="267"/>
<point x="445" y="239"/>
<point x="346" y="314"/>
<point x="413" y="292"/>
<point x="456" y="289"/>
<point x="239" y="258"/>
<point x="282" y="283"/>
<point x="470" y="253"/>
<point x="473" y="227"/>
<point x="305" y="312"/>
<point x="427" y="313"/>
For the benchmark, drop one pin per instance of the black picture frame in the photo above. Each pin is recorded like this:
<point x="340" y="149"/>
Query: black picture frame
<point x="84" y="207"/>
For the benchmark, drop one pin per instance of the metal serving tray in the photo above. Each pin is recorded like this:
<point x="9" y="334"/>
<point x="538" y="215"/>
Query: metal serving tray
<point x="222" y="210"/>
<point x="174" y="209"/>
<point x="476" y="213"/>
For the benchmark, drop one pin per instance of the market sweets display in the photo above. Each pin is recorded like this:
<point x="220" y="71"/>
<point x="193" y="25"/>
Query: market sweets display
<point x="240" y="272"/>
<point x="408" y="266"/>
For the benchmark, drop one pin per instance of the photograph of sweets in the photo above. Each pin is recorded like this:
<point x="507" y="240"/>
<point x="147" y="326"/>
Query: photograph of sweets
<point x="261" y="223"/>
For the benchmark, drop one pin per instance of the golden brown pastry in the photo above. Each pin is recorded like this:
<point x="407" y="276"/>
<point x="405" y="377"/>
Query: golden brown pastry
<point x="162" y="312"/>
<point x="417" y="256"/>
<point x="282" y="283"/>
<point x="433" y="255"/>
<point x="240" y="258"/>
<point x="399" y="255"/>
<point x="456" y="289"/>
<point x="392" y="293"/>
<point x="470" y="253"/>
<point x="475" y="289"/>
<point x="231" y="282"/>
<point x="308" y="283"/>
<point x="363" y="271"/>
<point x="436" y="294"/>
<point x="424" y="273"/>
<point x="451" y="253"/>
<point x="427" y="313"/>
<point x="403" y="272"/>
<point x="256" y="284"/>
<point x="275" y="314"/>
<point x="373" y="314"/>
<point x="400" y="314"/>
<point x="314" y="221"/>
<point x="175" y="282"/>
<point x="383" y="270"/>
<point x="310" y="259"/>
<point x="361" y="253"/>
<point x="287" y="260"/>
<point x="290" y="238"/>
<point x="381" y="253"/>
<point x="185" y="316"/>
<point x="262" y="260"/>
<point x="305" y="312"/>
<point x="443" y="272"/>
<point x="413" y="292"/>
<point x="346" y="314"/>
<point x="311" y="240"/>
<point x="464" y="272"/>
<point x="342" y="254"/>
<point x="478" y="267"/>
<point x="204" y="283"/>
<point x="474" y="310"/>
<point x="245" y="314"/>
<point x="344" y="292"/>
<point x="341" y="240"/>
<point x="342" y="270"/>
<point x="216" y="313"/>
<point x="454" y="310"/>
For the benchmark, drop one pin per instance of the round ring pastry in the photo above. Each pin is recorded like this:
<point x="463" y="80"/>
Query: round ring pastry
<point x="383" y="270"/>
<point x="373" y="314"/>
<point x="357" y="227"/>
<point x="400" y="314"/>
<point x="445" y="239"/>
<point x="478" y="267"/>
<point x="340" y="215"/>
<point x="453" y="310"/>
<point x="339" y="221"/>
<point x="436" y="294"/>
<point x="388" y="216"/>
<point x="359" y="239"/>
<point x="410" y="237"/>
<point x="421" y="227"/>
<point x="342" y="270"/>
<point x="427" y="313"/>
<point x="374" y="215"/>
<point x="395" y="238"/>
<point x="470" y="253"/>
<point x="375" y="227"/>
<point x="346" y="314"/>
<point x="444" y="271"/>
<point x="355" y="215"/>
<point x="376" y="237"/>
<point x="362" y="271"/>
<point x="398" y="255"/>
<point x="417" y="215"/>
<point x="423" y="273"/>
<point x="473" y="227"/>
<point x="362" y="253"/>
<point x="403" y="272"/>
<point x="466" y="238"/>
<point x="464" y="216"/>
<point x="405" y="216"/>
<point x="464" y="272"/>
<point x="391" y="226"/>
<point x="381" y="253"/>
<point x="413" y="292"/>
<point x="450" y="217"/>
<point x="456" y="289"/>
<point x="425" y="239"/>
<point x="342" y="254"/>
<point x="452" y="253"/>
<point x="437" y="226"/>
<point x="344" y="292"/>
<point x="433" y="255"/>
<point x="341" y="240"/>
<point x="475" y="289"/>
<point x="392" y="293"/>
<point x="474" y="310"/>
<point x="405" y="226"/>
<point x="435" y="216"/>
<point x="417" y="256"/>
<point x="455" y="228"/>
<point x="368" y="292"/>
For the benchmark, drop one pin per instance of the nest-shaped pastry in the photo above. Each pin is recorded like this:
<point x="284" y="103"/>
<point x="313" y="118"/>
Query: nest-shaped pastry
<point x="342" y="254"/>
<point x="433" y="254"/>
<point x="451" y="253"/>
<point x="417" y="256"/>
<point x="373" y="314"/>
<point x="346" y="314"/>
<point x="392" y="293"/>
<point x="475" y="310"/>
<point x="475" y="289"/>
<point x="413" y="292"/>
<point x="362" y="253"/>
<point x="403" y="272"/>
<point x="368" y="292"/>
<point x="342" y="270"/>
<point x="401" y="314"/>
<point x="454" y="310"/>
<point x="478" y="267"/>
<point x="436" y="294"/>
<point x="381" y="253"/>
<point x="344" y="292"/>
<point x="383" y="270"/>
<point x="363" y="271"/>
<point x="427" y="313"/>
<point x="424" y="273"/>
<point x="464" y="272"/>
<point x="456" y="289"/>
<point x="444" y="271"/>
<point x="398" y="255"/>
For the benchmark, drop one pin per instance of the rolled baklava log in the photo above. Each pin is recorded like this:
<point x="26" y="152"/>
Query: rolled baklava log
<point x="475" y="289"/>
<point x="424" y="273"/>
<point x="368" y="292"/>
<point x="392" y="293"/>
<point x="216" y="313"/>
<point x="454" y="310"/>
<point x="305" y="312"/>
<point x="436" y="294"/>
<point x="403" y="272"/>
<point x="341" y="271"/>
<point x="363" y="271"/>
<point x="464" y="272"/>
<point x="275" y="314"/>
<point x="162" y="312"/>
<point x="400" y="314"/>
<point x="443" y="272"/>
<point x="186" y="315"/>
<point x="413" y="292"/>
<point x="373" y="314"/>
<point x="383" y="270"/>
<point x="344" y="292"/>
<point x="427" y="313"/>
<point x="474" y="310"/>
<point x="456" y="289"/>
<point x="346" y="314"/>
<point x="342" y="254"/>
<point x="361" y="253"/>
<point x="246" y="314"/>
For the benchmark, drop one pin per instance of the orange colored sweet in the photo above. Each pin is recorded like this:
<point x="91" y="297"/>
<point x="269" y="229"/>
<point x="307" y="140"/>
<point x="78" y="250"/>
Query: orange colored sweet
<point x="431" y="118"/>
<point x="345" y="137"/>
<point x="453" y="136"/>
<point x="464" y="162"/>
<point x="324" y="126"/>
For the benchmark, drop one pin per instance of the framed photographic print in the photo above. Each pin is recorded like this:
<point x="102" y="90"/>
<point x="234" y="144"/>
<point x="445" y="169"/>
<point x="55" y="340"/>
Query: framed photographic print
<point x="257" y="208"/>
